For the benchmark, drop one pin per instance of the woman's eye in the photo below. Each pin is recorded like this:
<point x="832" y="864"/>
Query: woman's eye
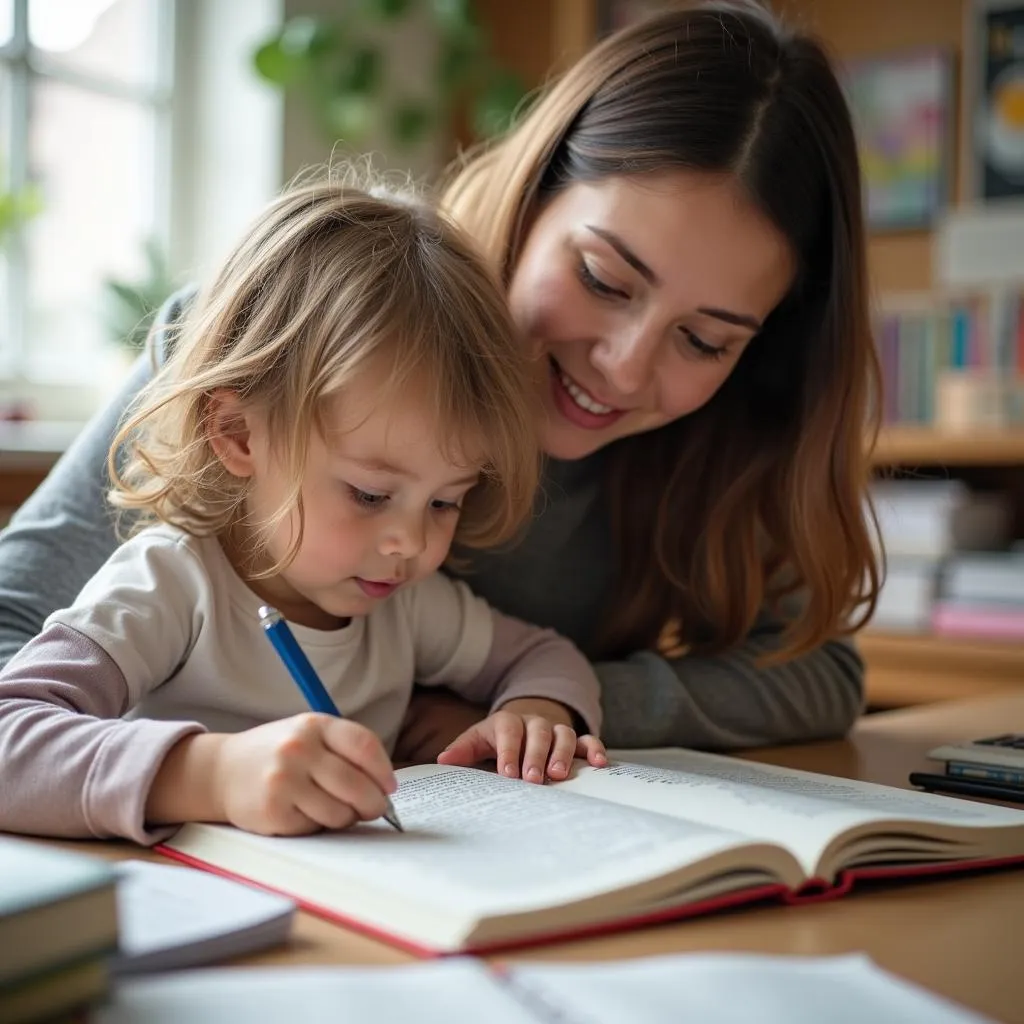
<point x="594" y="284"/>
<point x="702" y="348"/>
<point x="367" y="499"/>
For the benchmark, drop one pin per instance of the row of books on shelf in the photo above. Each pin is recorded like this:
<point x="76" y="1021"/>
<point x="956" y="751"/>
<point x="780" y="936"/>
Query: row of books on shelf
<point x="953" y="568"/>
<point x="953" y="361"/>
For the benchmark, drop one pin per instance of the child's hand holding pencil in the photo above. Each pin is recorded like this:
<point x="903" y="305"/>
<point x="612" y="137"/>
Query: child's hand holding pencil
<point x="305" y="678"/>
<point x="303" y="774"/>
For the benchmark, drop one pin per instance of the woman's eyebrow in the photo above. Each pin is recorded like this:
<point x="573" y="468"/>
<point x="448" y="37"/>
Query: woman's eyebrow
<point x="739" y="319"/>
<point x="626" y="253"/>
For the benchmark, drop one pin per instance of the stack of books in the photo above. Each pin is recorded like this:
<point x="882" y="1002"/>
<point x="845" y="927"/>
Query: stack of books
<point x="933" y="533"/>
<point x="67" y="937"/>
<point x="58" y="927"/>
<point x="981" y="595"/>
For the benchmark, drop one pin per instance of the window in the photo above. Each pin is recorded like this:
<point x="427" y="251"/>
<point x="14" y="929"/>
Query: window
<point x="85" y="103"/>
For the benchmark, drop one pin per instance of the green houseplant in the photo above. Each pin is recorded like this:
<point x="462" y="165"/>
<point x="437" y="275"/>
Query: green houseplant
<point x="130" y="306"/>
<point x="16" y="207"/>
<point x="342" y="67"/>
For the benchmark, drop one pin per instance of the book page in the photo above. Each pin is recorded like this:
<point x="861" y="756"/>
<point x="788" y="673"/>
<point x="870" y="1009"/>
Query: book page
<point x="655" y="990"/>
<point x="479" y="846"/>
<point x="800" y="810"/>
<point x="712" y="988"/>
<point x="436" y="993"/>
<point x="483" y="844"/>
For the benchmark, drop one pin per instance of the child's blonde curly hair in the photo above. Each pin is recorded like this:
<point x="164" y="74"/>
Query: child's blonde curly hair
<point x="331" y="280"/>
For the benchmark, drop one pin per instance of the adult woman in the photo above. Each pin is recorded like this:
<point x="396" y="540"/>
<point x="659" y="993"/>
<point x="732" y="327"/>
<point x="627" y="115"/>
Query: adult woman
<point x="679" y="225"/>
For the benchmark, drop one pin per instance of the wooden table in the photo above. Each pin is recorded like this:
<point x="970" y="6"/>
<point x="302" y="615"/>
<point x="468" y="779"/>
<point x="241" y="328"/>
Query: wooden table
<point x="959" y="937"/>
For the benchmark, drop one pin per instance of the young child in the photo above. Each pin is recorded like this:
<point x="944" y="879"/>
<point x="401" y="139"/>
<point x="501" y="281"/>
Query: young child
<point x="345" y="400"/>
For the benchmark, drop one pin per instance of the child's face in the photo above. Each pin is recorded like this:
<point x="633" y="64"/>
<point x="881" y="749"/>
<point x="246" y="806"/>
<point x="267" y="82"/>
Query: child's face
<point x="381" y="497"/>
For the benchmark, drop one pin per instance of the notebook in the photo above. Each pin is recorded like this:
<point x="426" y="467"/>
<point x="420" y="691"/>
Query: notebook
<point x="488" y="863"/>
<point x="173" y="917"/>
<point x="56" y="908"/>
<point x="705" y="988"/>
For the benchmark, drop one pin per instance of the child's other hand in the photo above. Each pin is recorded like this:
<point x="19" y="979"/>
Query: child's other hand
<point x="302" y="774"/>
<point x="531" y="737"/>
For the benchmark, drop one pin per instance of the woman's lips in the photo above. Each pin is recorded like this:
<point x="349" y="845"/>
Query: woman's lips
<point x="577" y="405"/>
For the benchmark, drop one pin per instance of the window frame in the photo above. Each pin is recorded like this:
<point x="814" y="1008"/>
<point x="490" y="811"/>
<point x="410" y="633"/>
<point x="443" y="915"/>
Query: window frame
<point x="24" y="65"/>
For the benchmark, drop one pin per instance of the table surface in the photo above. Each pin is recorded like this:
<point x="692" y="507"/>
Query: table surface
<point x="957" y="936"/>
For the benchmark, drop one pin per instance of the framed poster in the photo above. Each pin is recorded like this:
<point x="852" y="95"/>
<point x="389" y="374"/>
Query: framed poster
<point x="902" y="109"/>
<point x="994" y="49"/>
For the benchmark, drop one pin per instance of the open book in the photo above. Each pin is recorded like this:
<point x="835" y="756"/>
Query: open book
<point x="487" y="862"/>
<point x="657" y="990"/>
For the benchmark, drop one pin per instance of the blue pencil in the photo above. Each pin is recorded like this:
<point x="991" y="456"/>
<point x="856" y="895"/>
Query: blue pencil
<point x="305" y="678"/>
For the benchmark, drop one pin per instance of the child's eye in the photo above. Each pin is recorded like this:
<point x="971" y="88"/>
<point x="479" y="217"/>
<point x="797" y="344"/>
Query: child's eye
<point x="445" y="506"/>
<point x="366" y="499"/>
<point x="594" y="284"/>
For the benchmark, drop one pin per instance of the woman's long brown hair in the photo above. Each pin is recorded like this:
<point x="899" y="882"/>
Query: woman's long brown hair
<point x="762" y="491"/>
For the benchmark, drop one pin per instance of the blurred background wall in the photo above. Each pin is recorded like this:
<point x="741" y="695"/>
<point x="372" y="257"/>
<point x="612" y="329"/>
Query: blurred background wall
<point x="137" y="137"/>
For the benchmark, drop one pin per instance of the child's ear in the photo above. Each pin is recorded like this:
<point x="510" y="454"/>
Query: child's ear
<point x="229" y="430"/>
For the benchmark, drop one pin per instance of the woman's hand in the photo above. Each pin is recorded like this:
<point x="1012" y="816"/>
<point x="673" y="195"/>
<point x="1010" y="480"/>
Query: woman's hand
<point x="290" y="777"/>
<point x="531" y="737"/>
<point x="434" y="719"/>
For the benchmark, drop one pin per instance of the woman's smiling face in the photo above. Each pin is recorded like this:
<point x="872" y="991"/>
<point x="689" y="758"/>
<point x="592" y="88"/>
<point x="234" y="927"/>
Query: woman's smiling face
<point x="641" y="293"/>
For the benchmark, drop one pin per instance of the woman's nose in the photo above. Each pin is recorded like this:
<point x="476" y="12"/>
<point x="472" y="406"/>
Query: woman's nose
<point x="626" y="360"/>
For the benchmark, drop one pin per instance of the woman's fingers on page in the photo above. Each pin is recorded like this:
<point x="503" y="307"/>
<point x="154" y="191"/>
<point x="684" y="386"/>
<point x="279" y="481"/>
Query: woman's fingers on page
<point x="562" y="751"/>
<point x="540" y="735"/>
<point x="359" y="746"/>
<point x="508" y="741"/>
<point x="593" y="750"/>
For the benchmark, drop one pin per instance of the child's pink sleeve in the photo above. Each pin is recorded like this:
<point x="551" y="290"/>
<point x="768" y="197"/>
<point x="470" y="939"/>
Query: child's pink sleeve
<point x="71" y="767"/>
<point x="527" y="661"/>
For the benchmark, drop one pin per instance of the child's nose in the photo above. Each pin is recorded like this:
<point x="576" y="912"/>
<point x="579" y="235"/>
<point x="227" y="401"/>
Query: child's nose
<point x="405" y="537"/>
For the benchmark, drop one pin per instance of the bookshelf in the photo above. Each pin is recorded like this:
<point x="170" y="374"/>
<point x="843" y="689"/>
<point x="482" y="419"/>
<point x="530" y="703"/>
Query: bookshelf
<point x="916" y="668"/>
<point x="904" y="445"/>
<point x="906" y="669"/>
<point x="953" y="366"/>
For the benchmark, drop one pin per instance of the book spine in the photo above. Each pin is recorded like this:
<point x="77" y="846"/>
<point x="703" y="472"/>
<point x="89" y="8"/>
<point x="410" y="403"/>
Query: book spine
<point x="818" y="890"/>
